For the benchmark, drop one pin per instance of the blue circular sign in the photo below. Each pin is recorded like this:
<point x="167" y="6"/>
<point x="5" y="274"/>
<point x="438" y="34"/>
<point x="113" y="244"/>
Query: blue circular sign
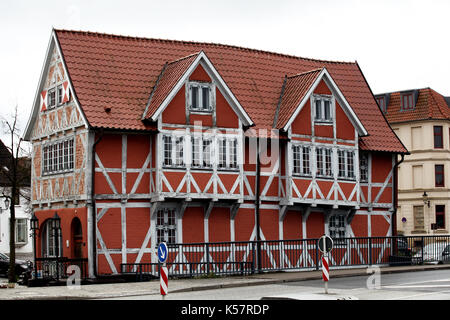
<point x="162" y="252"/>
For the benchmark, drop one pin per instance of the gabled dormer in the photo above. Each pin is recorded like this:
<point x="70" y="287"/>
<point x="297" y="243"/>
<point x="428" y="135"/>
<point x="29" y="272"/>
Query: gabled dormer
<point x="200" y="79"/>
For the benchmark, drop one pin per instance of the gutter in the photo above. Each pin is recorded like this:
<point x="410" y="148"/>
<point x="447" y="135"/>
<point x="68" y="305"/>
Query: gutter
<point x="257" y="204"/>
<point x="94" y="218"/>
<point x="395" y="186"/>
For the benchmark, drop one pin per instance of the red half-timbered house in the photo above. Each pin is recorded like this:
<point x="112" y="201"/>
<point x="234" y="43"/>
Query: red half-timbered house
<point x="138" y="141"/>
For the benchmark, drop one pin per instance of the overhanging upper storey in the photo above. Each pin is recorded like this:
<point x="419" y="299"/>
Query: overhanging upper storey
<point x="297" y="91"/>
<point x="174" y="76"/>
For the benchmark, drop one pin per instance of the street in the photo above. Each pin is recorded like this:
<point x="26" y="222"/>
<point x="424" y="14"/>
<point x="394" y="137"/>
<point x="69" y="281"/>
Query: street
<point x="423" y="285"/>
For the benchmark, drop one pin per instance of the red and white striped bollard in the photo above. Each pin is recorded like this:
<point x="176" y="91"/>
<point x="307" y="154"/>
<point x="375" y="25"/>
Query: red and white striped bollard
<point x="164" y="283"/>
<point x="325" y="272"/>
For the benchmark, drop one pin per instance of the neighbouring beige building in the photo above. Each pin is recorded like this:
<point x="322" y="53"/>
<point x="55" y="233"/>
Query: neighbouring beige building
<point x="421" y="119"/>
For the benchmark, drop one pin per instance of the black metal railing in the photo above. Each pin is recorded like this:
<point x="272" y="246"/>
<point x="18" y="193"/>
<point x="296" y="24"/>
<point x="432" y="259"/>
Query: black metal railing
<point x="232" y="258"/>
<point x="59" y="268"/>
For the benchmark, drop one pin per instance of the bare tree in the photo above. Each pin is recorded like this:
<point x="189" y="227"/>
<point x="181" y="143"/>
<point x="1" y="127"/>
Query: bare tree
<point x="15" y="173"/>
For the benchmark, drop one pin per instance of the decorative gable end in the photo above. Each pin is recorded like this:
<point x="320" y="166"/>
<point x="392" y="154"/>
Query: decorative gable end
<point x="174" y="76"/>
<point x="301" y="89"/>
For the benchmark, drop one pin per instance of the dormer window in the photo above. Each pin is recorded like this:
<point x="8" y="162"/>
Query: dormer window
<point x="322" y="108"/>
<point x="382" y="103"/>
<point x="200" y="99"/>
<point x="407" y="101"/>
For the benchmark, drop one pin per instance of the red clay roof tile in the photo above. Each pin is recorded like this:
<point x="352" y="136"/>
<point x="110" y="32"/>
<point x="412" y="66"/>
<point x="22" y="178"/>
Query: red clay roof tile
<point x="120" y="72"/>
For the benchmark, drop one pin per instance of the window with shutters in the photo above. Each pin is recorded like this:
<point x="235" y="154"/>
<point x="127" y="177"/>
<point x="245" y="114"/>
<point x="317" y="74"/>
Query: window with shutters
<point x="51" y="98"/>
<point x="201" y="96"/>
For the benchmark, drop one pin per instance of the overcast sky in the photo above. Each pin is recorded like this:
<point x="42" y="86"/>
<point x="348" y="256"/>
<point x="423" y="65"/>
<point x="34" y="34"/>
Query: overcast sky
<point x="398" y="44"/>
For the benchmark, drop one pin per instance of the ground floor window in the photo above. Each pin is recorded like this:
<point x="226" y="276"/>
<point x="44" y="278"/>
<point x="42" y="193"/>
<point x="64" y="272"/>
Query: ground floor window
<point x="166" y="225"/>
<point x="21" y="231"/>
<point x="336" y="227"/>
<point x="440" y="217"/>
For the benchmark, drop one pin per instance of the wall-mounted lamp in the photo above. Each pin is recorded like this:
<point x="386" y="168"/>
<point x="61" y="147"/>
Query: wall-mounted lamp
<point x="425" y="199"/>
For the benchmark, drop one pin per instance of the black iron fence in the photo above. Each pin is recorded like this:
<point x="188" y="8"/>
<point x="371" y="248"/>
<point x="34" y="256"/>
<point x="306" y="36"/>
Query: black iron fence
<point x="59" y="268"/>
<point x="233" y="258"/>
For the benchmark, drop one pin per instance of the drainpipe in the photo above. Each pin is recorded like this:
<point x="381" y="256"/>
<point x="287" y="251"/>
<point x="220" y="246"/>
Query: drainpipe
<point x="395" y="186"/>
<point x="257" y="203"/>
<point x="94" y="215"/>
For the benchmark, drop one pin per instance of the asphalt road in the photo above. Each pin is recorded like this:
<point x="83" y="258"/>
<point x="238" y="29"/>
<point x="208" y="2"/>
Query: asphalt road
<point x="421" y="285"/>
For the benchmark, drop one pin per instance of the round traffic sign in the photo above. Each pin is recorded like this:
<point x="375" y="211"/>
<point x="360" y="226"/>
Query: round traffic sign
<point x="325" y="244"/>
<point x="162" y="252"/>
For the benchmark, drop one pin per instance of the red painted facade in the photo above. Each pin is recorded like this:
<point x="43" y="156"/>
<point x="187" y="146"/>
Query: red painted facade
<point x="140" y="194"/>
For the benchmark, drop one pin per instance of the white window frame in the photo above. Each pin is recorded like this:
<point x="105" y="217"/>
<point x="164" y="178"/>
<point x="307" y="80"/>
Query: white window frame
<point x="337" y="231"/>
<point x="21" y="223"/>
<point x="201" y="85"/>
<point x="177" y="155"/>
<point x="198" y="160"/>
<point x="364" y="167"/>
<point x="327" y="166"/>
<point x="300" y="156"/>
<point x="58" y="156"/>
<point x="164" y="226"/>
<point x="230" y="159"/>
<point x="322" y="98"/>
<point x="348" y="171"/>
<point x="51" y="101"/>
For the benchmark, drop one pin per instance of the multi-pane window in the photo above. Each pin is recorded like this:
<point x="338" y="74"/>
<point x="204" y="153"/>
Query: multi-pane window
<point x="346" y="164"/>
<point x="322" y="109"/>
<point x="21" y="231"/>
<point x="166" y="225"/>
<point x="173" y="150"/>
<point x="301" y="157"/>
<point x="58" y="156"/>
<point x="202" y="152"/>
<point x="51" y="98"/>
<point x="323" y="162"/>
<point x="59" y="92"/>
<point x="439" y="175"/>
<point x="438" y="137"/>
<point x="227" y="149"/>
<point x="364" y="167"/>
<point x="440" y="216"/>
<point x="407" y="101"/>
<point x="200" y="96"/>
<point x="336" y="227"/>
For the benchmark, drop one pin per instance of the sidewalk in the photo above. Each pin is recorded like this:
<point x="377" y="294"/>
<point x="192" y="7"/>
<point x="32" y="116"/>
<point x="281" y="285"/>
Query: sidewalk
<point x="112" y="290"/>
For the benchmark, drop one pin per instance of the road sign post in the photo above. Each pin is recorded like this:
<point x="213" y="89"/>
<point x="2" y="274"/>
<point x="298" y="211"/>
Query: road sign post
<point x="163" y="252"/>
<point x="325" y="244"/>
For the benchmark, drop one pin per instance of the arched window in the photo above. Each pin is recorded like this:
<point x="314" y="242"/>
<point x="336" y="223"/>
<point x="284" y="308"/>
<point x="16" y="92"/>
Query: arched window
<point x="51" y="240"/>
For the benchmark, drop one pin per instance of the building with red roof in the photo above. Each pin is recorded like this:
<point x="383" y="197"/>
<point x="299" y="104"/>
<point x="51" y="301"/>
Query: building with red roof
<point x="138" y="141"/>
<point x="421" y="119"/>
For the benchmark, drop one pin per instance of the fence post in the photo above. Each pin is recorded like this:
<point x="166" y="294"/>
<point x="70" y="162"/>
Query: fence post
<point x="422" y="244"/>
<point x="317" y="255"/>
<point x="370" y="250"/>
<point x="207" y="258"/>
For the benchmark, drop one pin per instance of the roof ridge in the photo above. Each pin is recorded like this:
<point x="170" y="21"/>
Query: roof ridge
<point x="94" y="33"/>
